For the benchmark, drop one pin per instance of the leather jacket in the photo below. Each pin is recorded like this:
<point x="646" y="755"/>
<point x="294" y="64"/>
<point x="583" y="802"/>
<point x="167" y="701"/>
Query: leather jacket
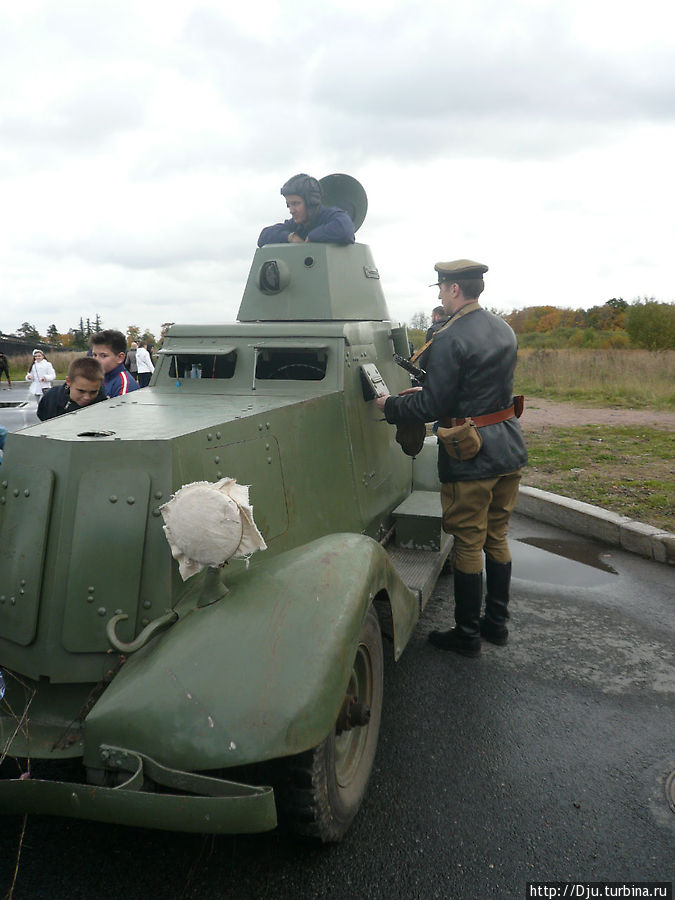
<point x="470" y="368"/>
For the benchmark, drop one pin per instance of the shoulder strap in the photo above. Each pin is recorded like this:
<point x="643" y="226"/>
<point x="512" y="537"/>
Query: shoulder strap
<point x="470" y="307"/>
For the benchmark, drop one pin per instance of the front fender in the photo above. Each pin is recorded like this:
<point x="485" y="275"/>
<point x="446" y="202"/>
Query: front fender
<point x="259" y="674"/>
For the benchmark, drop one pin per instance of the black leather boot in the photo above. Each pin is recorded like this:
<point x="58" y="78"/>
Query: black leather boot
<point x="464" y="638"/>
<point x="493" y="624"/>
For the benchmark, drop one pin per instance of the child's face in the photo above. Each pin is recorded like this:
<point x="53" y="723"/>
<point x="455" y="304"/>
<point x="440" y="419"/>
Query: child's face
<point x="106" y="357"/>
<point x="82" y="391"/>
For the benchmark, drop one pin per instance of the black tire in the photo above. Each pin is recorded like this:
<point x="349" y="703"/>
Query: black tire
<point x="323" y="787"/>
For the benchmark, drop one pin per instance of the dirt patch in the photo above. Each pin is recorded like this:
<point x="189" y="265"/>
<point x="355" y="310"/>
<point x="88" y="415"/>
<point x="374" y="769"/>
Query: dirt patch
<point x="542" y="413"/>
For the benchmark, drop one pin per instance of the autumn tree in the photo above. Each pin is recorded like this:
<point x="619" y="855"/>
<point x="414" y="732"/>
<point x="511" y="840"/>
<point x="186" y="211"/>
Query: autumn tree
<point x="133" y="334"/>
<point x="164" y="328"/>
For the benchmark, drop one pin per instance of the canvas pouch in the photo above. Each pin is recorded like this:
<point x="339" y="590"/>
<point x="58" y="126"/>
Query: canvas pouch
<point x="462" y="441"/>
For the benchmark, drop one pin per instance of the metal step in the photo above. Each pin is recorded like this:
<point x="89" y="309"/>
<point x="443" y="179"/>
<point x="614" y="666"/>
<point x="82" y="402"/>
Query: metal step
<point x="419" y="569"/>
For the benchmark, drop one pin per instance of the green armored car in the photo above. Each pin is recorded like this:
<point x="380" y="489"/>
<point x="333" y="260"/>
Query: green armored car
<point x="195" y="578"/>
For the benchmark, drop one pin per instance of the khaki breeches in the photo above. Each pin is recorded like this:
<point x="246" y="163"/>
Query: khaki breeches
<point x="477" y="513"/>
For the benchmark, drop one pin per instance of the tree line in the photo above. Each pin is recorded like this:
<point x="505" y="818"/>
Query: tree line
<point x="77" y="338"/>
<point x="643" y="323"/>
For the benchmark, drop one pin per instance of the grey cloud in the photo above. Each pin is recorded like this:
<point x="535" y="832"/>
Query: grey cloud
<point x="86" y="119"/>
<point x="168" y="248"/>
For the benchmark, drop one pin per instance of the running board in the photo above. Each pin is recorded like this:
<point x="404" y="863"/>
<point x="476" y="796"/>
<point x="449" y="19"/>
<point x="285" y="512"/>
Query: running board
<point x="420" y="547"/>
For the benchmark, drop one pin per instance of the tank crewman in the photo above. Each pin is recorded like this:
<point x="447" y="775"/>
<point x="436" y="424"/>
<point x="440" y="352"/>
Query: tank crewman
<point x="470" y="371"/>
<point x="310" y="220"/>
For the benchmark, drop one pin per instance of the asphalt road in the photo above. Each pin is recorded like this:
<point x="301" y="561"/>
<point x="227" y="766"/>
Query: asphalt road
<point x="17" y="406"/>
<point x="545" y="760"/>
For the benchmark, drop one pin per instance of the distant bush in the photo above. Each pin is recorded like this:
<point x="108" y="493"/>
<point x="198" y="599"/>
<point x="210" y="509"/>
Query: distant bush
<point x="651" y="324"/>
<point x="577" y="338"/>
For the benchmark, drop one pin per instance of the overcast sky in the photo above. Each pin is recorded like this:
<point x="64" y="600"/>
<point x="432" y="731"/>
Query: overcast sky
<point x="143" y="145"/>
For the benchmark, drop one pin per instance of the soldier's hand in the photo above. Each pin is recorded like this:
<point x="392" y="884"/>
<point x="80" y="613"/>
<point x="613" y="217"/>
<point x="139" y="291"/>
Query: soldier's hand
<point x="380" y="401"/>
<point x="410" y="390"/>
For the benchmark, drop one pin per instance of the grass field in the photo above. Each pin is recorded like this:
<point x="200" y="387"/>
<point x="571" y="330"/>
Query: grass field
<point x="626" y="378"/>
<point x="628" y="470"/>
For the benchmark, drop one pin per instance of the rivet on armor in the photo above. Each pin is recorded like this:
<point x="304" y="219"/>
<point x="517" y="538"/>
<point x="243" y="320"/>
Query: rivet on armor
<point x="145" y="622"/>
<point x="147" y="604"/>
<point x="91" y="589"/>
<point x="2" y="499"/>
<point x="12" y="600"/>
<point x="113" y="498"/>
<point x="2" y="598"/>
<point x="209" y="437"/>
<point x="131" y="501"/>
<point x="90" y="599"/>
<point x="269" y="460"/>
<point x="5" y="483"/>
<point x="156" y="513"/>
<point x="16" y="492"/>
<point x="217" y="435"/>
<point x="158" y="495"/>
<point x="260" y="426"/>
<point x="216" y="459"/>
<point x="26" y="493"/>
<point x="101" y="610"/>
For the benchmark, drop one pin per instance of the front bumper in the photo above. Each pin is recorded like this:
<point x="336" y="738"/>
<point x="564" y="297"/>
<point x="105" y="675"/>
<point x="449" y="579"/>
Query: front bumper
<point x="195" y="803"/>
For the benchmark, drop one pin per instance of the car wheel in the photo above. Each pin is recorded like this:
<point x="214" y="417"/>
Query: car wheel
<point x="323" y="787"/>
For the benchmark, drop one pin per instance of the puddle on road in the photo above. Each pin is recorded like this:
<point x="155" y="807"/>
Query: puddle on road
<point x="569" y="562"/>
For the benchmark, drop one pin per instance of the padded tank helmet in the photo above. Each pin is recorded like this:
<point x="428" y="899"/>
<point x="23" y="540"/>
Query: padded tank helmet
<point x="306" y="187"/>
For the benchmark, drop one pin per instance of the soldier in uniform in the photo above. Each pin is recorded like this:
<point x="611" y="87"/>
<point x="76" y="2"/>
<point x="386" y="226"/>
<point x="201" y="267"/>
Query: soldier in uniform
<point x="470" y="369"/>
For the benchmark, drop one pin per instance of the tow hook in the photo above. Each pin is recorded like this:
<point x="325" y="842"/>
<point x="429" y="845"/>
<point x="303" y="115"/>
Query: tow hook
<point x="352" y="715"/>
<point x="158" y="624"/>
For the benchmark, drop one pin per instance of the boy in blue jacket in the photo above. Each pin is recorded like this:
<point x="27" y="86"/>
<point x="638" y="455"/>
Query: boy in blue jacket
<point x="110" y="349"/>
<point x="310" y="221"/>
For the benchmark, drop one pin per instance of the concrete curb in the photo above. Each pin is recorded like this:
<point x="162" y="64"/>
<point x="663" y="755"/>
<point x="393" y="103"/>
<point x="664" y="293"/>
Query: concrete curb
<point x="595" y="522"/>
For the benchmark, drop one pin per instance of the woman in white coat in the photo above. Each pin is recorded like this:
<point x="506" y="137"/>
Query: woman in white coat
<point x="41" y="375"/>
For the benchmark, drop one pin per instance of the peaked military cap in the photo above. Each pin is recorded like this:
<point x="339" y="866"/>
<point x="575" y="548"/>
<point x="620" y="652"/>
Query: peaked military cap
<point x="458" y="268"/>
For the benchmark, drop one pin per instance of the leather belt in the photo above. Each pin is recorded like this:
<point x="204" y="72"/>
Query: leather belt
<point x="480" y="421"/>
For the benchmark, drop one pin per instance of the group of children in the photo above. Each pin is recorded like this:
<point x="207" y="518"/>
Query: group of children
<point x="90" y="379"/>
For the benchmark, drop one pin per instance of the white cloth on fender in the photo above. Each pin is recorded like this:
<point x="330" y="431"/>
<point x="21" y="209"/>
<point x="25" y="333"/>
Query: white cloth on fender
<point x="206" y="524"/>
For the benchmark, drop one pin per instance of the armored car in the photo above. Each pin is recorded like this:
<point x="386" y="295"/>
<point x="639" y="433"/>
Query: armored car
<point x="207" y="693"/>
